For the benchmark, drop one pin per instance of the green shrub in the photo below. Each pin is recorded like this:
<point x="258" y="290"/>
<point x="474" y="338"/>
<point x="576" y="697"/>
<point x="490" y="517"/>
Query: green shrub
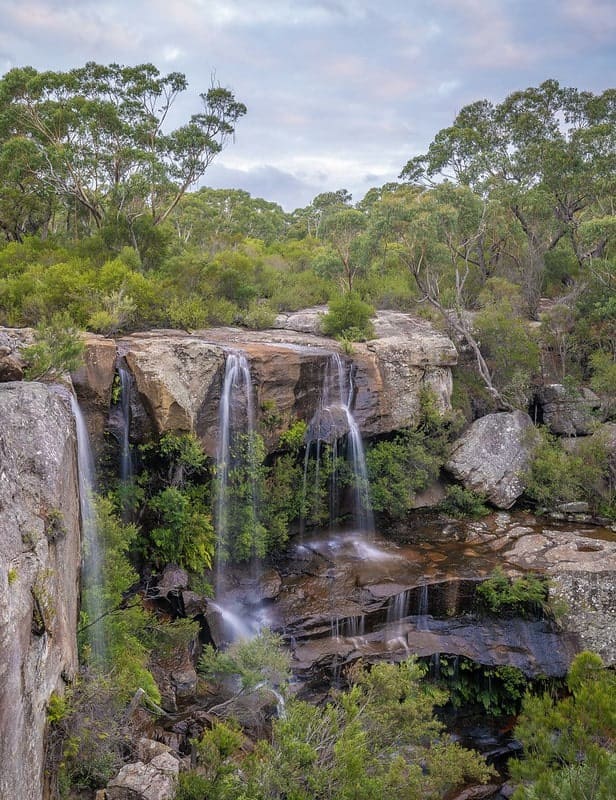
<point x="258" y="316"/>
<point x="184" y="534"/>
<point x="519" y="597"/>
<point x="349" y="317"/>
<point x="57" y="348"/>
<point x="398" y="469"/>
<point x="461" y="502"/>
<point x="293" y="438"/>
<point x="549" y="480"/>
<point x="569" y="741"/>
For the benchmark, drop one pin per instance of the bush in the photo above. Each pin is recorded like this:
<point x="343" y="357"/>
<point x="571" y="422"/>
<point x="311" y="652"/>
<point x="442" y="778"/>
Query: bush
<point x="57" y="349"/>
<point x="461" y="502"/>
<point x="398" y="469"/>
<point x="258" y="316"/>
<point x="349" y="317"/>
<point x="550" y="479"/>
<point x="521" y="597"/>
<point x="569" y="742"/>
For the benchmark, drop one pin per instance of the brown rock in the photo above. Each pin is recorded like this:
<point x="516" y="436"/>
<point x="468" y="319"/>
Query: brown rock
<point x="11" y="369"/>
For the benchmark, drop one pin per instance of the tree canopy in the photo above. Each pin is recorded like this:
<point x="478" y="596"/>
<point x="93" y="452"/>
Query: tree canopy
<point x="94" y="142"/>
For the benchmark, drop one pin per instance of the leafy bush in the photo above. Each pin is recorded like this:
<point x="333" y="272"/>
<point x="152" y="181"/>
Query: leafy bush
<point x="378" y="739"/>
<point x="184" y="534"/>
<point x="57" y="348"/>
<point x="461" y="502"/>
<point x="349" y="317"/>
<point x="258" y="316"/>
<point x="519" y="597"/>
<point x="293" y="438"/>
<point x="398" y="469"/>
<point x="498" y="690"/>
<point x="551" y="479"/>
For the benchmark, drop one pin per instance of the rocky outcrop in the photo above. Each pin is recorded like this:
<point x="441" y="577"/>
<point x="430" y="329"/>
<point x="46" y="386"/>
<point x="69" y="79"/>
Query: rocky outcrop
<point x="492" y="456"/>
<point x="178" y="377"/>
<point x="152" y="778"/>
<point x="339" y="597"/>
<point x="568" y="413"/>
<point x="39" y="570"/>
<point x="583" y="573"/>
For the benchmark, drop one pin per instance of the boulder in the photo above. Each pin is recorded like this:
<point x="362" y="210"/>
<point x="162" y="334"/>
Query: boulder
<point x="156" y="780"/>
<point x="11" y="368"/>
<point x="39" y="574"/>
<point x="308" y="320"/>
<point x="11" y="342"/>
<point x="568" y="413"/>
<point x="491" y="457"/>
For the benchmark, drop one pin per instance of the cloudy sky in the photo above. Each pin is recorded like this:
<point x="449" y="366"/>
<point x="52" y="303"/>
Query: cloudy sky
<point x="340" y="93"/>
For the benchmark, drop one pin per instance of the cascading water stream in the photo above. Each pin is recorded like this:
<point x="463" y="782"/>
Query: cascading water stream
<point x="235" y="453"/>
<point x="92" y="550"/>
<point x="332" y="422"/>
<point x="126" y="459"/>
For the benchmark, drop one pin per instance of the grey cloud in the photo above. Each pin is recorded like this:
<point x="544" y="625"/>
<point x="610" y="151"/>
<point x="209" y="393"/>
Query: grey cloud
<point x="340" y="93"/>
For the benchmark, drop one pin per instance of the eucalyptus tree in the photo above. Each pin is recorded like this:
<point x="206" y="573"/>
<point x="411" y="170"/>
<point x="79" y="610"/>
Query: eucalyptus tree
<point x="547" y="153"/>
<point x="216" y="218"/>
<point x="99" y="138"/>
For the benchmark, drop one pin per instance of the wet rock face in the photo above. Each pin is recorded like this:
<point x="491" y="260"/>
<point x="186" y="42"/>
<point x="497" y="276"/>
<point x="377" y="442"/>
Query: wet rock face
<point x="344" y="596"/>
<point x="39" y="566"/>
<point x="492" y="456"/>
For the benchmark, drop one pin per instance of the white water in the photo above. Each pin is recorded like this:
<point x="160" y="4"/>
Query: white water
<point x="236" y="416"/>
<point x="398" y="606"/>
<point x="422" y="609"/>
<point x="234" y="627"/>
<point x="91" y="574"/>
<point x="332" y="422"/>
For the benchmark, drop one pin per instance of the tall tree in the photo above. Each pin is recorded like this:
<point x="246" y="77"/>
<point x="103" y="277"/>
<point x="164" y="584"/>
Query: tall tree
<point x="97" y="137"/>
<point x="548" y="153"/>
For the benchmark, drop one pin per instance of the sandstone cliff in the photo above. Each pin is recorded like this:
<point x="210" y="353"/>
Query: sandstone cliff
<point x="39" y="572"/>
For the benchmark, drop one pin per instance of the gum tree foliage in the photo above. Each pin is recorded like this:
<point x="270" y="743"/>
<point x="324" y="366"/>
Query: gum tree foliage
<point x="548" y="153"/>
<point x="569" y="743"/>
<point x="379" y="738"/>
<point x="97" y="138"/>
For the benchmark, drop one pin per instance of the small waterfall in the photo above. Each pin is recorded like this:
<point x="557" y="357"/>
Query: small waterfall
<point x="398" y="606"/>
<point x="236" y="452"/>
<point x="332" y="422"/>
<point x="422" y="608"/>
<point x="92" y="550"/>
<point x="126" y="458"/>
<point x="234" y="627"/>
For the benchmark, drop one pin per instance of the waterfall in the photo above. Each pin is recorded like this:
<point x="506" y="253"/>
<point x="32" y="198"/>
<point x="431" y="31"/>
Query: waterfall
<point x="422" y="608"/>
<point x="126" y="459"/>
<point x="92" y="551"/>
<point x="332" y="422"/>
<point x="236" y="451"/>
<point x="398" y="606"/>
